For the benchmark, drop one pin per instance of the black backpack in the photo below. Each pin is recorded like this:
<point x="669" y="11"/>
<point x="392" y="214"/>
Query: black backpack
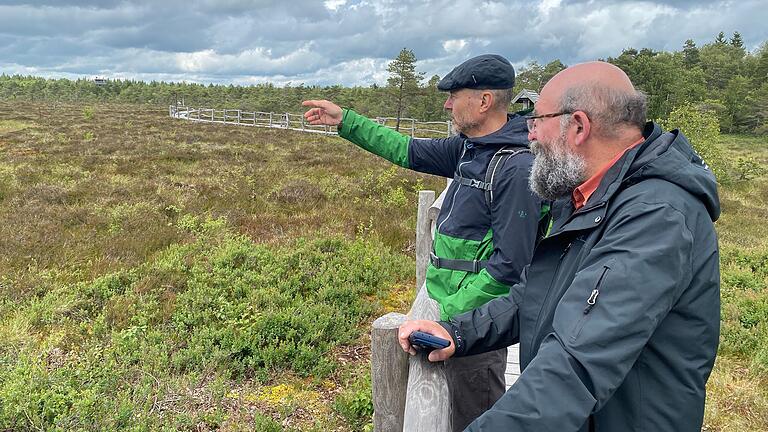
<point x="498" y="160"/>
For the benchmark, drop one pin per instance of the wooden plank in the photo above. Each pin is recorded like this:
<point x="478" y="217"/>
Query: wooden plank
<point x="513" y="365"/>
<point x="389" y="374"/>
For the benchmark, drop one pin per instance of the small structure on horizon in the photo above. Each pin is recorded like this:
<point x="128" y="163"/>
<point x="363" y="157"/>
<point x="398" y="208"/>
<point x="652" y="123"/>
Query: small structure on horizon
<point x="100" y="81"/>
<point x="526" y="97"/>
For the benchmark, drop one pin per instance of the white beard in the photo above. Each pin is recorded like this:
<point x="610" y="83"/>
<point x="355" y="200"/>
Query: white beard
<point x="556" y="171"/>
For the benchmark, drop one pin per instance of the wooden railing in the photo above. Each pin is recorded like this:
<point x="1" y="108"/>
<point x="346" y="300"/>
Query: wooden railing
<point x="418" y="128"/>
<point x="408" y="126"/>
<point x="410" y="393"/>
<point x="248" y="118"/>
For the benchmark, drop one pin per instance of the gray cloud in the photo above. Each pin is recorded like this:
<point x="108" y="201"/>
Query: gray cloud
<point x="342" y="41"/>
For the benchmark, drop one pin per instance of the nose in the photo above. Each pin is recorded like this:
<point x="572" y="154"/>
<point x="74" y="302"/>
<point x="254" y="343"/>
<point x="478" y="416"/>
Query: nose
<point x="532" y="135"/>
<point x="448" y="103"/>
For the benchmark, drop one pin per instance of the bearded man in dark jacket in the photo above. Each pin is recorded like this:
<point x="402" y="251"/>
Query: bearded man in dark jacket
<point x="618" y="314"/>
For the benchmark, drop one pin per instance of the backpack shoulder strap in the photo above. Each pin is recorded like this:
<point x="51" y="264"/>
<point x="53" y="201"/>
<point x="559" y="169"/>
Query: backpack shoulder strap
<point x="498" y="160"/>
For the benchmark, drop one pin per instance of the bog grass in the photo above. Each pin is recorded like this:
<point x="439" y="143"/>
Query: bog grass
<point x="163" y="275"/>
<point x="738" y="387"/>
<point x="157" y="274"/>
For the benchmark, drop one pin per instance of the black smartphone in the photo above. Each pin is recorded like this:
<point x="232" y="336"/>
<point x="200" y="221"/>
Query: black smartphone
<point x="427" y="342"/>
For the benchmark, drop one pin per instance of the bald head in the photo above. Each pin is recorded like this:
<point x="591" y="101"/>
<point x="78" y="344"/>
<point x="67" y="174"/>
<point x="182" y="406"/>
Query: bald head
<point x="604" y="92"/>
<point x="604" y="73"/>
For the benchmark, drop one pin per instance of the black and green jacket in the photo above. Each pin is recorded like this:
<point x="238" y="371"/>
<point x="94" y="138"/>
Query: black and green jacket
<point x="503" y="234"/>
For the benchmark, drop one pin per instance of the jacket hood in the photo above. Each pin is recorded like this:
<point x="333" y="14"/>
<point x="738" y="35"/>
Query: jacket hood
<point x="514" y="132"/>
<point x="669" y="156"/>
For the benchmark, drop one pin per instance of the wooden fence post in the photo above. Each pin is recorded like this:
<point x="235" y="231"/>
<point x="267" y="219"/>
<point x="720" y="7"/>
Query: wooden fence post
<point x="389" y="374"/>
<point x="427" y="404"/>
<point x="423" y="235"/>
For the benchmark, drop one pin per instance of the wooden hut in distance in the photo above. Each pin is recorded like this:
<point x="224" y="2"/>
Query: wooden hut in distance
<point x="526" y="97"/>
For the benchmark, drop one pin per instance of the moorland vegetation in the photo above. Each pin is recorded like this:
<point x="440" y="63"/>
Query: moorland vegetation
<point x="157" y="274"/>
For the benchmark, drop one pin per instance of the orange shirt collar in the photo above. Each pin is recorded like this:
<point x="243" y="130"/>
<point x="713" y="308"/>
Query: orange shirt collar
<point x="582" y="193"/>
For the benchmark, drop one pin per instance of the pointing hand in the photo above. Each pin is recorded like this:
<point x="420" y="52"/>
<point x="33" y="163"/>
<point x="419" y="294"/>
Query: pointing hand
<point x="322" y="112"/>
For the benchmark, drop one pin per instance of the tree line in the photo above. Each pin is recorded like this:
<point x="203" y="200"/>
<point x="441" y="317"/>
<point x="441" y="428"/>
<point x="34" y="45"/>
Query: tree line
<point x="720" y="77"/>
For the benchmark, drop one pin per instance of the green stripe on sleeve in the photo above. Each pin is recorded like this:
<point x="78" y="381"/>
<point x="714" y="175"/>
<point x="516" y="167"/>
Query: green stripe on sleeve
<point x="377" y="139"/>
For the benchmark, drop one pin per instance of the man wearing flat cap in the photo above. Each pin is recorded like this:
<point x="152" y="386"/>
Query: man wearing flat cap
<point x="490" y="220"/>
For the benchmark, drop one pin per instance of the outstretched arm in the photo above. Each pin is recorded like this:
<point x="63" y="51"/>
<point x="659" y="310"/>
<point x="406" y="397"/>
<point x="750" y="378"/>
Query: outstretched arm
<point x="432" y="156"/>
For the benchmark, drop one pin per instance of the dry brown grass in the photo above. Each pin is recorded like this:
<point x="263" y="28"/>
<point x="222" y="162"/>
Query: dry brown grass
<point x="81" y="196"/>
<point x="737" y="400"/>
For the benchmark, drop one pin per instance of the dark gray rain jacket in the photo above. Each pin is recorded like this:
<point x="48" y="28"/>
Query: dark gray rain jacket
<point x="618" y="314"/>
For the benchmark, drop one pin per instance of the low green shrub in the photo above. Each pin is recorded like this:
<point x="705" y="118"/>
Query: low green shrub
<point x="702" y="128"/>
<point x="105" y="354"/>
<point x="355" y="404"/>
<point x="744" y="329"/>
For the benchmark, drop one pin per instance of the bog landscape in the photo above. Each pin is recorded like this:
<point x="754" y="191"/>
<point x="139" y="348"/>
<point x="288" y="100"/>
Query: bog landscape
<point x="162" y="274"/>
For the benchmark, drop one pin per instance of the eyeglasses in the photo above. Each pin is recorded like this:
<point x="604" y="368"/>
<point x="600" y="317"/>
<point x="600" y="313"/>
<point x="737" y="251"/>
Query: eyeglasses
<point x="529" y="120"/>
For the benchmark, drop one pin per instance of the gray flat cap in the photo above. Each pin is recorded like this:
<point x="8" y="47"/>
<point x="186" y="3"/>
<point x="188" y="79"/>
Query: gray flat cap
<point x="487" y="71"/>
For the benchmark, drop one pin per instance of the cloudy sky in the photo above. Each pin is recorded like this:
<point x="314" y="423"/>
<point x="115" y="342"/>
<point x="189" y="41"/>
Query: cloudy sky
<point x="346" y="42"/>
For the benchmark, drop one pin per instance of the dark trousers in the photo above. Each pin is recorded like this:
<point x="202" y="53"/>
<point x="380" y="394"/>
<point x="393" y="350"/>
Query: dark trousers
<point x="475" y="383"/>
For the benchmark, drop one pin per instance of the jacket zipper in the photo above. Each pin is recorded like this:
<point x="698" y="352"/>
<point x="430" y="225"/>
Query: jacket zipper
<point x="458" y="186"/>
<point x="592" y="300"/>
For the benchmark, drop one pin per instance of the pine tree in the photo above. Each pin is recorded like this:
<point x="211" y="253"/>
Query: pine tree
<point x="736" y="40"/>
<point x="690" y="53"/>
<point x="720" y="39"/>
<point x="737" y="46"/>
<point x="403" y="81"/>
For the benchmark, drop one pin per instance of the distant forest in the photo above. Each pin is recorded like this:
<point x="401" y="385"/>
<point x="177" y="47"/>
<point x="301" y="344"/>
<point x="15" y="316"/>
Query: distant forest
<point x="720" y="77"/>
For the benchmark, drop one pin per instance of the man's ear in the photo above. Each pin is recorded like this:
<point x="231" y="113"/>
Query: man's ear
<point x="486" y="101"/>
<point x="581" y="127"/>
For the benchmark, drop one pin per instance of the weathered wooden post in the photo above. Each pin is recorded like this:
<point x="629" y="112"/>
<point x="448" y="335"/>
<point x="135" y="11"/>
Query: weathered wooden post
<point x="423" y="235"/>
<point x="427" y="404"/>
<point x="389" y="374"/>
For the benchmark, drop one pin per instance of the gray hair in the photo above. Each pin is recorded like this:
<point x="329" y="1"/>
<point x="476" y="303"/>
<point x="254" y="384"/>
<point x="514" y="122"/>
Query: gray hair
<point x="502" y="98"/>
<point x="608" y="108"/>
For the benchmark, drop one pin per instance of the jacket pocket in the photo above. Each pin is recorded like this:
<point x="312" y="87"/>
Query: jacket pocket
<point x="591" y="301"/>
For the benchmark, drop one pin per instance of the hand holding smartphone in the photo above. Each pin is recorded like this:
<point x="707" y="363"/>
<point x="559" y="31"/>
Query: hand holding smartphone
<point x="426" y="342"/>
